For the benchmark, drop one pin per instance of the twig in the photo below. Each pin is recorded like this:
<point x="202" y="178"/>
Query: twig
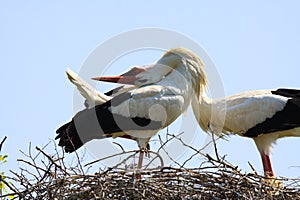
<point x="215" y="146"/>
<point x="163" y="144"/>
<point x="119" y="146"/>
<point x="252" y="168"/>
<point x="49" y="158"/>
<point x="2" y="142"/>
<point x="107" y="157"/>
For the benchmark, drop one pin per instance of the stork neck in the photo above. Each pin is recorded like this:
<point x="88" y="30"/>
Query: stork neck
<point x="204" y="100"/>
<point x="202" y="110"/>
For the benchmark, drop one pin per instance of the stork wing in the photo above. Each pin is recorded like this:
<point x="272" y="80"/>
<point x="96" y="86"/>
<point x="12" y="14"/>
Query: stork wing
<point x="99" y="122"/>
<point x="246" y="110"/>
<point x="92" y="96"/>
<point x="119" y="90"/>
<point x="154" y="102"/>
<point x="284" y="119"/>
<point x="287" y="92"/>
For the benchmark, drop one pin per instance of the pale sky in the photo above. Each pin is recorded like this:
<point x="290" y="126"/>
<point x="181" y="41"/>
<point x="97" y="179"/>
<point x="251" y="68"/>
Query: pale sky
<point x="254" y="45"/>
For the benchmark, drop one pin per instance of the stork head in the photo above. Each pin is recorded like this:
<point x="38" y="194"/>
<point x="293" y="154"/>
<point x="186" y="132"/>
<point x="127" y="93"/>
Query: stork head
<point x="180" y="59"/>
<point x="190" y="64"/>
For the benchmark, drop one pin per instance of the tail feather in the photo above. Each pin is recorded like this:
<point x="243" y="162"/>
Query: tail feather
<point x="92" y="96"/>
<point x="68" y="137"/>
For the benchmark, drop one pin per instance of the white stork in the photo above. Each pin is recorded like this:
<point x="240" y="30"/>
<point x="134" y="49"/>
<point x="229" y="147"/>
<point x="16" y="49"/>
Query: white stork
<point x="140" y="112"/>
<point x="93" y="97"/>
<point x="263" y="115"/>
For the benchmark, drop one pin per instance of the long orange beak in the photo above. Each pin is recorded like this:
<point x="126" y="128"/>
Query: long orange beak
<point x="117" y="79"/>
<point x="126" y="78"/>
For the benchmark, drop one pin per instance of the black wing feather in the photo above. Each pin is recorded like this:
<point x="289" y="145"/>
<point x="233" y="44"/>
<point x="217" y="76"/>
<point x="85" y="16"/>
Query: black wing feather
<point x="286" y="119"/>
<point x="287" y="92"/>
<point x="98" y="122"/>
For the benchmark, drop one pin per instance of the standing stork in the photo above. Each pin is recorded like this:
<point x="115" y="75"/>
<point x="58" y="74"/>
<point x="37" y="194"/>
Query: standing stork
<point x="144" y="77"/>
<point x="141" y="111"/>
<point x="263" y="115"/>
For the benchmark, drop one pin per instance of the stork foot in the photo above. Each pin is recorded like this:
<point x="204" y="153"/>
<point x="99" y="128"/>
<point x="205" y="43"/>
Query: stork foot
<point x="273" y="182"/>
<point x="138" y="175"/>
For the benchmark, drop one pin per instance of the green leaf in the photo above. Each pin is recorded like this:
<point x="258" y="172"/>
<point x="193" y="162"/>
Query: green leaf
<point x="2" y="186"/>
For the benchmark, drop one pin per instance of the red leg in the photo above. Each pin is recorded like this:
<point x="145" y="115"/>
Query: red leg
<point x="141" y="157"/>
<point x="267" y="165"/>
<point x="140" y="165"/>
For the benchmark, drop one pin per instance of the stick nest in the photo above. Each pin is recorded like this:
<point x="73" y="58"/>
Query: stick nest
<point x="46" y="176"/>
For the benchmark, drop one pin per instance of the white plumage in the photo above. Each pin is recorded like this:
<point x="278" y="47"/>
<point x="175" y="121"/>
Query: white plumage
<point x="263" y="115"/>
<point x="243" y="111"/>
<point x="91" y="95"/>
<point x="138" y="112"/>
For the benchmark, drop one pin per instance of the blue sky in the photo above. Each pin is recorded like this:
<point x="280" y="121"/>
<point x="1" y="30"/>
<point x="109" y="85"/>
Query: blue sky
<point x="254" y="45"/>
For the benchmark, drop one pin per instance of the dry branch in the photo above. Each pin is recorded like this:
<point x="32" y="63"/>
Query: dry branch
<point x="216" y="179"/>
<point x="1" y="143"/>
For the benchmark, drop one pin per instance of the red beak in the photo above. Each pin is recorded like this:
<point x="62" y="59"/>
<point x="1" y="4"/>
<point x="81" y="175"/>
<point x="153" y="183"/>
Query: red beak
<point x="126" y="78"/>
<point x="117" y="79"/>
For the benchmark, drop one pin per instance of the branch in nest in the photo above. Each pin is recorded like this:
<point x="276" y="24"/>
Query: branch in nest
<point x="2" y="142"/>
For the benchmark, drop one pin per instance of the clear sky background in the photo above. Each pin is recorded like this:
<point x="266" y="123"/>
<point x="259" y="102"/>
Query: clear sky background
<point x="254" y="45"/>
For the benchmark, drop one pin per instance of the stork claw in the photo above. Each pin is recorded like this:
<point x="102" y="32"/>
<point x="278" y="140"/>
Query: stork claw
<point x="272" y="181"/>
